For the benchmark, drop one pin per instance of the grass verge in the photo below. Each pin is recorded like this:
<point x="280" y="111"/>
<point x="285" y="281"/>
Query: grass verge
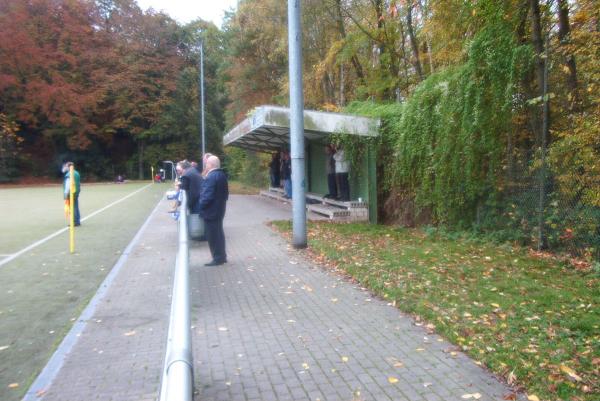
<point x="534" y="322"/>
<point x="239" y="188"/>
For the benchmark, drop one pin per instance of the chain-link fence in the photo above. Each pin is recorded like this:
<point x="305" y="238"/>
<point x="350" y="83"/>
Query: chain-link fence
<point x="537" y="210"/>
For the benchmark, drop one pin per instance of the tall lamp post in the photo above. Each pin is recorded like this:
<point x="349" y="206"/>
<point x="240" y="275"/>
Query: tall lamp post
<point x="202" y="98"/>
<point x="296" y="125"/>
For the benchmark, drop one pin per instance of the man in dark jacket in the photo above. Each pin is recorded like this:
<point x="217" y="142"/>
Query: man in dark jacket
<point x="191" y="181"/>
<point x="213" y="199"/>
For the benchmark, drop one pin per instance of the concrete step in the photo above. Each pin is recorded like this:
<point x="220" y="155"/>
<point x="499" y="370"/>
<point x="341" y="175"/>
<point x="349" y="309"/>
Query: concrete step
<point x="329" y="211"/>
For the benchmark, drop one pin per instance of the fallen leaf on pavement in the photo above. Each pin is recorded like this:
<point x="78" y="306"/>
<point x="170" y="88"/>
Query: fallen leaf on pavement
<point x="392" y="380"/>
<point x="130" y="333"/>
<point x="2" y="348"/>
<point x="305" y="366"/>
<point x="475" y="396"/>
<point x="344" y="359"/>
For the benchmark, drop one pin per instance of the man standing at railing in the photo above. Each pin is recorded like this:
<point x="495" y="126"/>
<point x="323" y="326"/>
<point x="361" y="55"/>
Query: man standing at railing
<point x="191" y="181"/>
<point x="213" y="199"/>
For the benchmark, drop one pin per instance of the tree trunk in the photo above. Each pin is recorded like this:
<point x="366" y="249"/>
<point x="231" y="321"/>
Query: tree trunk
<point x="413" y="39"/>
<point x="404" y="55"/>
<point x="379" y="13"/>
<point x="564" y="28"/>
<point x="342" y="30"/>
<point x="538" y="42"/>
<point x="425" y="13"/>
<point x="141" y="159"/>
<point x="342" y="99"/>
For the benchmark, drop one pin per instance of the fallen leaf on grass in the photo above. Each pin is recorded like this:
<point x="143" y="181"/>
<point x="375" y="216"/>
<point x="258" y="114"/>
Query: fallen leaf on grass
<point x="13" y="385"/>
<point x="533" y="397"/>
<point x="475" y="396"/>
<point x="392" y="380"/>
<point x="570" y="373"/>
<point x="512" y="378"/>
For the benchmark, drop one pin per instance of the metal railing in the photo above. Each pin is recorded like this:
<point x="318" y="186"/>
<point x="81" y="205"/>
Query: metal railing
<point x="178" y="376"/>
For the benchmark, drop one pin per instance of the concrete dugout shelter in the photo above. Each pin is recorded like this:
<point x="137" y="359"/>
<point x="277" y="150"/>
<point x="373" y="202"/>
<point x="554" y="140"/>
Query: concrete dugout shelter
<point x="267" y="129"/>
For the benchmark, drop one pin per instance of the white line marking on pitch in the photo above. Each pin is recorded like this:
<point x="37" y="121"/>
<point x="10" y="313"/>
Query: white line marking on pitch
<point x="62" y="230"/>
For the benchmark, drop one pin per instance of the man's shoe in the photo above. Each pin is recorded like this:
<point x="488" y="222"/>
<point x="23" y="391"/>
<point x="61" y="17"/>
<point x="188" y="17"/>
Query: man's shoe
<point x="214" y="263"/>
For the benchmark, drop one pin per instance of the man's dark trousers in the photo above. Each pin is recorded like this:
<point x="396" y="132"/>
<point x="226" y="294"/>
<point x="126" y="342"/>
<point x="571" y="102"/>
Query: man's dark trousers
<point x="216" y="239"/>
<point x="332" y="185"/>
<point x="76" y="217"/>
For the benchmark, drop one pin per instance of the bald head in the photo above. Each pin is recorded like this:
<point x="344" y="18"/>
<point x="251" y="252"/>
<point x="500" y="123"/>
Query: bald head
<point x="213" y="162"/>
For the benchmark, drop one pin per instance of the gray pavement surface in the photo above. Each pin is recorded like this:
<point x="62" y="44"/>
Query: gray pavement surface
<point x="268" y="325"/>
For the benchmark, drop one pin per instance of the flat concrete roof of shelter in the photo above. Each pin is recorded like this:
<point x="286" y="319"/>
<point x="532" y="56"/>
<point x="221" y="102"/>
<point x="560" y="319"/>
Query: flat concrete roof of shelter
<point x="267" y="128"/>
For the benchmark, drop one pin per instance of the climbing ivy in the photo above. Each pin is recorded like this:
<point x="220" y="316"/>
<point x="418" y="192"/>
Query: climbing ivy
<point x="445" y="144"/>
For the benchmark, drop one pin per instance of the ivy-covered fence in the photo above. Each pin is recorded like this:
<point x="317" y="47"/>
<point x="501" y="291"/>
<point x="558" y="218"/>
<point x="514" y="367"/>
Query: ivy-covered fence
<point x="457" y="154"/>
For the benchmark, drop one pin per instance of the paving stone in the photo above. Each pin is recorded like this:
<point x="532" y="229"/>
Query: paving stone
<point x="284" y="306"/>
<point x="264" y="328"/>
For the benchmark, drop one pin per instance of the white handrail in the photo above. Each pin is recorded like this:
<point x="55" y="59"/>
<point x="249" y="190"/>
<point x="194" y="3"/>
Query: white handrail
<point x="178" y="376"/>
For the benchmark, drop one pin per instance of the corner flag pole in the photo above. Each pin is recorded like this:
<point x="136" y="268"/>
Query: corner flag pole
<point x="72" y="204"/>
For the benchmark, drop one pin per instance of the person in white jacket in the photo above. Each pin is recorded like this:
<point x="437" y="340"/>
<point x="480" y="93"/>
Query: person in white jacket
<point x="342" y="167"/>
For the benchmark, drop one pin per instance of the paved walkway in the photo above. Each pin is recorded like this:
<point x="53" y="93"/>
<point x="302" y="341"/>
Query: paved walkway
<point x="266" y="326"/>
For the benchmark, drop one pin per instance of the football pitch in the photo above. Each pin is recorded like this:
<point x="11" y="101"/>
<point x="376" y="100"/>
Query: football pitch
<point x="43" y="287"/>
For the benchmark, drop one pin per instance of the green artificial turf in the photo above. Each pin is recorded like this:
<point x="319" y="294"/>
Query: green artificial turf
<point x="44" y="290"/>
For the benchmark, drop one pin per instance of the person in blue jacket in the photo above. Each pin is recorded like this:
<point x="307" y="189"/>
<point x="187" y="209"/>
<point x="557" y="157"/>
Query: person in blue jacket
<point x="212" y="204"/>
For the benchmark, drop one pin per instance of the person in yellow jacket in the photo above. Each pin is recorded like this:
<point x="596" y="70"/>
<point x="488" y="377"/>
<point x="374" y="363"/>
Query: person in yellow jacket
<point x="67" y="187"/>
